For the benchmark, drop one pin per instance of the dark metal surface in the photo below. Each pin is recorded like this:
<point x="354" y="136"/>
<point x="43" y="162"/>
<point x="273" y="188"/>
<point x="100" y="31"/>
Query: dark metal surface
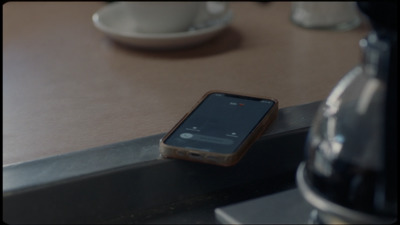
<point x="199" y="209"/>
<point x="109" y="182"/>
<point x="287" y="207"/>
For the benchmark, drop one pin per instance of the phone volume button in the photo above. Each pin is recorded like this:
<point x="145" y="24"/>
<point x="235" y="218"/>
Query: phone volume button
<point x="196" y="155"/>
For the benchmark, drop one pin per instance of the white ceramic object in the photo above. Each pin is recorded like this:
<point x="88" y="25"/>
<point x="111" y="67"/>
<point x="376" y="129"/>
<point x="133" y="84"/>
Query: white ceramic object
<point x="116" y="22"/>
<point x="167" y="17"/>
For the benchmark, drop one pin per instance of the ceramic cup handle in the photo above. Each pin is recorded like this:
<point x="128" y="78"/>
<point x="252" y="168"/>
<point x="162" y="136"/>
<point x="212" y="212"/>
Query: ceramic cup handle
<point x="211" y="11"/>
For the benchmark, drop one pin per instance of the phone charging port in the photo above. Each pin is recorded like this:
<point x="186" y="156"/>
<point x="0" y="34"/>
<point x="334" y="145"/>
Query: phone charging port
<point x="194" y="154"/>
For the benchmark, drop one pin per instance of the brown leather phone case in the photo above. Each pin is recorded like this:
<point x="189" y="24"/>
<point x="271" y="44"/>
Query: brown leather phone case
<point x="169" y="151"/>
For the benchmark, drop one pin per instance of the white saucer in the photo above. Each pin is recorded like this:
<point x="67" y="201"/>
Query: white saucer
<point x="114" y="21"/>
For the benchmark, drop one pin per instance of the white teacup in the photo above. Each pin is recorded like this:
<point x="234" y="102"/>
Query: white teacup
<point x="169" y="17"/>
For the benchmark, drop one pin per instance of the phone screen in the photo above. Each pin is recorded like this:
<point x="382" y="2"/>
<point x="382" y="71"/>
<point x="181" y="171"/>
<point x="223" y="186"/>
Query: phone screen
<point x="220" y="123"/>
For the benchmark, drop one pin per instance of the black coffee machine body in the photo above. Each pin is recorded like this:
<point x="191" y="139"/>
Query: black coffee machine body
<point x="350" y="171"/>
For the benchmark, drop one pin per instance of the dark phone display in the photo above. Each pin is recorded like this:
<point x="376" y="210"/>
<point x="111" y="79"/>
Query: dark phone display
<point x="220" y="123"/>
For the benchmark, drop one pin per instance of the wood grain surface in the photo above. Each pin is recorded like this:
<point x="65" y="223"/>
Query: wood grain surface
<point x="67" y="87"/>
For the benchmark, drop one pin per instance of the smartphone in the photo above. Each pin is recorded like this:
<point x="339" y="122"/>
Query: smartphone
<point x="220" y="128"/>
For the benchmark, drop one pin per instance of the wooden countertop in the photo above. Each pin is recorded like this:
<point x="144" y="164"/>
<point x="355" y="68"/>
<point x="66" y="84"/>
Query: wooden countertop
<point x="67" y="87"/>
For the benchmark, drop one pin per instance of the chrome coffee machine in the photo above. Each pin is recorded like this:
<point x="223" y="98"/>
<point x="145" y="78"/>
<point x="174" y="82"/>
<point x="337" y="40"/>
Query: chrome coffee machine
<point x="350" y="172"/>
